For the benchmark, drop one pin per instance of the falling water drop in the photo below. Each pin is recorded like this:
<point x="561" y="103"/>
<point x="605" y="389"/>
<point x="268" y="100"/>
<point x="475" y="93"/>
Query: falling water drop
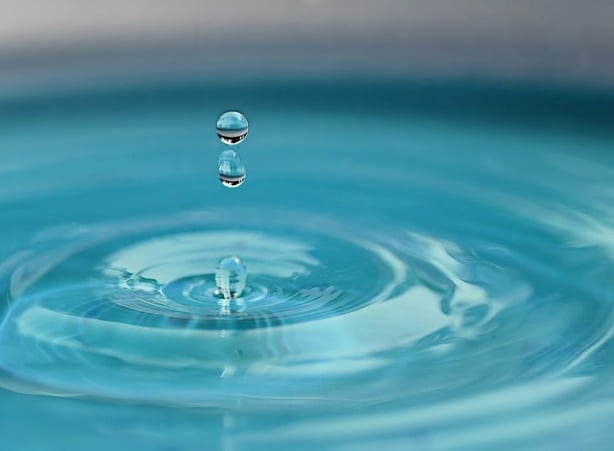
<point x="231" y="169"/>
<point x="230" y="277"/>
<point x="231" y="127"/>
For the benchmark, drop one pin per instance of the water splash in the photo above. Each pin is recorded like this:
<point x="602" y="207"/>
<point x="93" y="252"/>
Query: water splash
<point x="470" y="274"/>
<point x="230" y="277"/>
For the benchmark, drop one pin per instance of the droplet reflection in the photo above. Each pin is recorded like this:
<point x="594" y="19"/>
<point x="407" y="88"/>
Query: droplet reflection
<point x="231" y="127"/>
<point x="231" y="169"/>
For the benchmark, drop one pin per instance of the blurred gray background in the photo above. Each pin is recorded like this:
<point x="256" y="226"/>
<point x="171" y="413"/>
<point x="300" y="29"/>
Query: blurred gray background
<point x="80" y="40"/>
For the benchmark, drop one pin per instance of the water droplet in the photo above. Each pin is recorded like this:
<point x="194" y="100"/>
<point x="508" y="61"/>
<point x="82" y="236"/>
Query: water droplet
<point x="231" y="127"/>
<point x="230" y="277"/>
<point x="231" y="169"/>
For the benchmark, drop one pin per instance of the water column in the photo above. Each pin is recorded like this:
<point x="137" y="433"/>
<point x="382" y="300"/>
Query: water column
<point x="230" y="273"/>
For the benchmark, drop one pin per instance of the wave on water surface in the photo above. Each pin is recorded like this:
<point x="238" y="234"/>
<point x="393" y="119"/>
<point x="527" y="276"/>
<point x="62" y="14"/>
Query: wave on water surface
<point x="388" y="279"/>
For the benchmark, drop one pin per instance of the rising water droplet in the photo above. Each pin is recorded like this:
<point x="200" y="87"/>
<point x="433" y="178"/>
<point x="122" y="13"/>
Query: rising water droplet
<point x="231" y="169"/>
<point x="231" y="127"/>
<point x="230" y="277"/>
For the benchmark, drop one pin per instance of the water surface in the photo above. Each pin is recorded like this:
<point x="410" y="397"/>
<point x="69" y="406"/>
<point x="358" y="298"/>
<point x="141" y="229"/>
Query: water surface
<point x="430" y="265"/>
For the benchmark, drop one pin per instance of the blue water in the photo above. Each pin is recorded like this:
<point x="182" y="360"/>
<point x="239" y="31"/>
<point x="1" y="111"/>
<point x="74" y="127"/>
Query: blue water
<point x="430" y="265"/>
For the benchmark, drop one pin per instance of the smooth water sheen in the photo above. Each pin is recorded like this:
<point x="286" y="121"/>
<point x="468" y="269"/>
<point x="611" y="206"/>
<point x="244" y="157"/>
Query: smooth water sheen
<point x="431" y="266"/>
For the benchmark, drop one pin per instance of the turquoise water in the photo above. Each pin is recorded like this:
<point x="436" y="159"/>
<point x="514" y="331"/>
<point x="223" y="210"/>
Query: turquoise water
<point x="429" y="266"/>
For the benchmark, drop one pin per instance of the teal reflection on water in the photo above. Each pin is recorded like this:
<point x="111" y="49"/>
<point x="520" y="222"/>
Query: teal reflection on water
<point x="430" y="266"/>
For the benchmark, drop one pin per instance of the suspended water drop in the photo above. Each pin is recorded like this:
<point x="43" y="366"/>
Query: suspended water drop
<point x="231" y="169"/>
<point x="231" y="127"/>
<point x="230" y="277"/>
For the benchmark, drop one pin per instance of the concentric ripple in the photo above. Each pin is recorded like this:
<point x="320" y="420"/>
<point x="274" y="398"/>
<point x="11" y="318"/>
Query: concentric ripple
<point x="144" y="298"/>
<point x="425" y="279"/>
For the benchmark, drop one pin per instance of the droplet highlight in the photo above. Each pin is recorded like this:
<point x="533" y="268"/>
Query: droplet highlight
<point x="231" y="169"/>
<point x="230" y="277"/>
<point x="232" y="127"/>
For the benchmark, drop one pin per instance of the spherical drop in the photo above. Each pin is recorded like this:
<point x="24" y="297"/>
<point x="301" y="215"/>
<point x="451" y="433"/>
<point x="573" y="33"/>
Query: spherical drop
<point x="231" y="127"/>
<point x="230" y="277"/>
<point x="231" y="169"/>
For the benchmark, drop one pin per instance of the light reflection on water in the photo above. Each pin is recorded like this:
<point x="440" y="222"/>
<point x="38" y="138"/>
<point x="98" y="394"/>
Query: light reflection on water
<point x="416" y="278"/>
